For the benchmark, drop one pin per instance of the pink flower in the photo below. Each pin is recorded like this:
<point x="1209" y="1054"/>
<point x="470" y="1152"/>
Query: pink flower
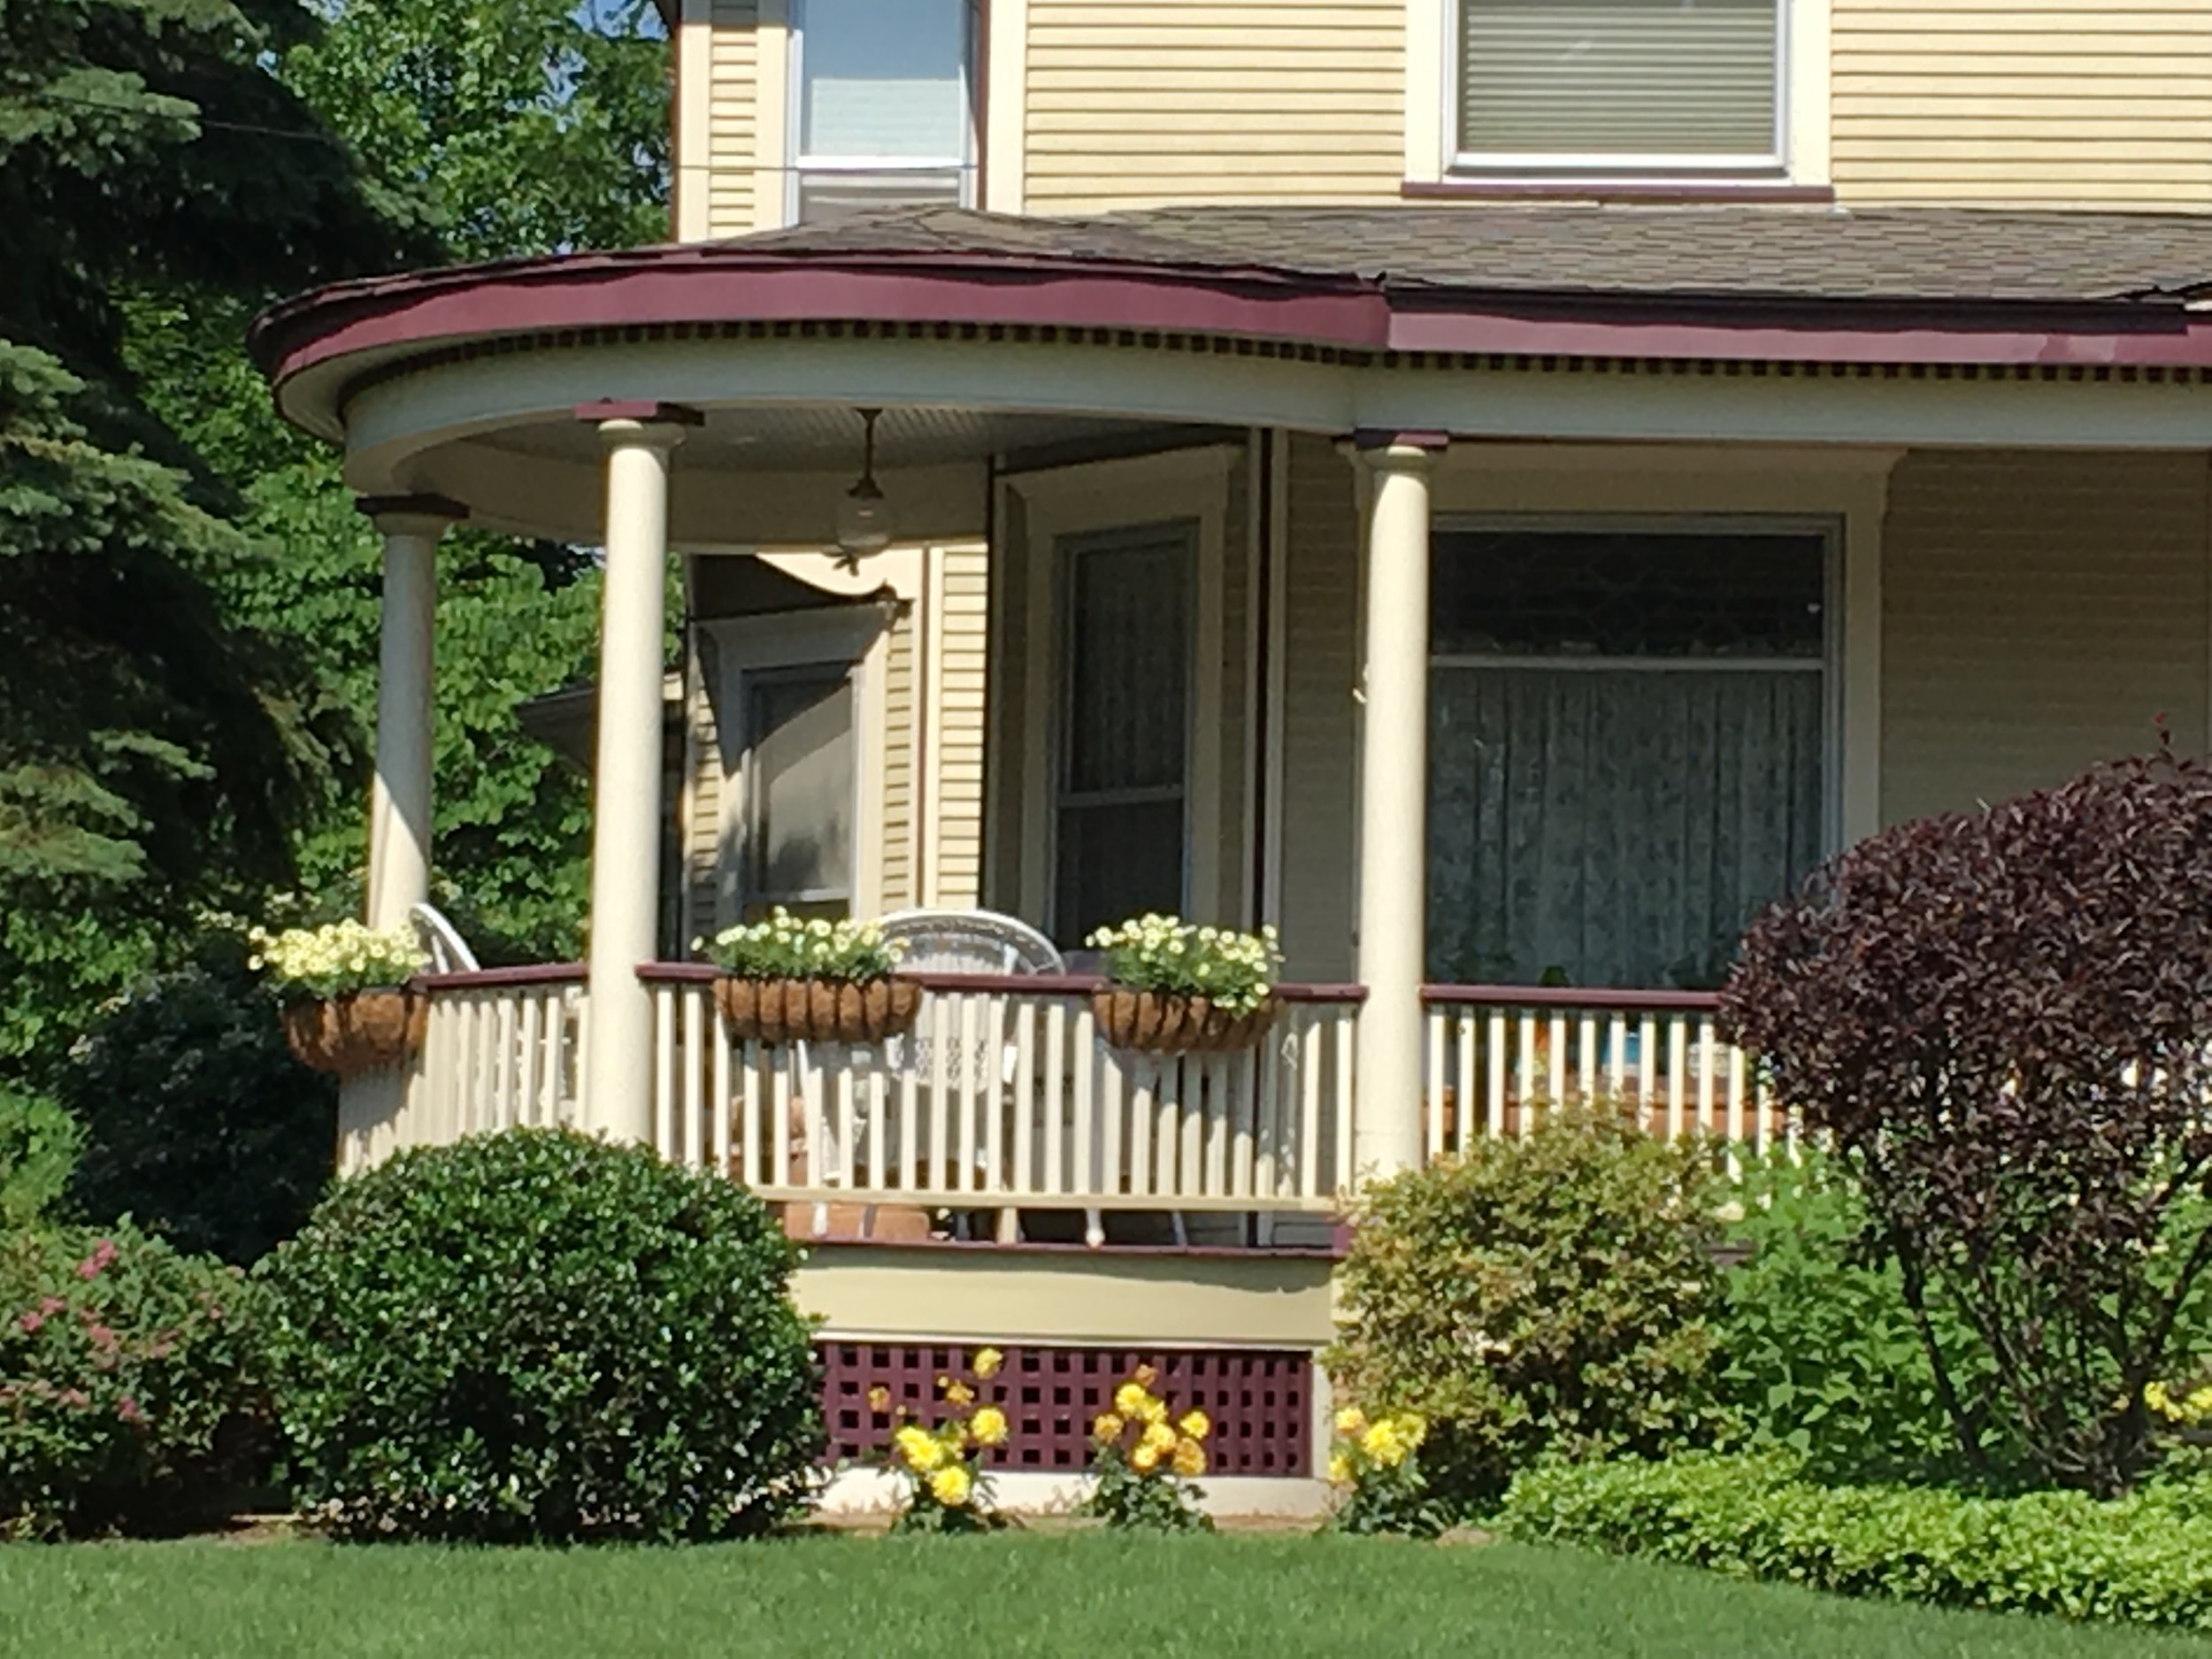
<point x="100" y="1334"/>
<point x="127" y="1409"/>
<point x="51" y="1304"/>
<point x="96" y="1264"/>
<point x="32" y="1321"/>
<point x="76" y="1399"/>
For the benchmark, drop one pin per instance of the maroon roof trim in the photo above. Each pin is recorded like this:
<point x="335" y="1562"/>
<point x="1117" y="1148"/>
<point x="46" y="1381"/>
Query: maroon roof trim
<point x="715" y="285"/>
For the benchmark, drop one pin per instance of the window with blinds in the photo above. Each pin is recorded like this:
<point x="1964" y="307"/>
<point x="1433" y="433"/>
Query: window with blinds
<point x="883" y="104"/>
<point x="1658" y="84"/>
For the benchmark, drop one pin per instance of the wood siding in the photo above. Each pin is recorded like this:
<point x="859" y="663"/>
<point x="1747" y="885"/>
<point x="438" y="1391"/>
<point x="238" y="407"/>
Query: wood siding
<point x="961" y="675"/>
<point x="733" y="135"/>
<point x="1144" y="102"/>
<point x="1320" y="638"/>
<point x="2048" y="103"/>
<point x="2041" y="611"/>
<point x="902" y="739"/>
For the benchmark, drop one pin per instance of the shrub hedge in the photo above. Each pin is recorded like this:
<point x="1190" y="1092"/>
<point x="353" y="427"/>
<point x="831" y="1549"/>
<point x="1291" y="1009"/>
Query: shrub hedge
<point x="2140" y="1559"/>
<point x="130" y="1396"/>
<point x="1552" y="1292"/>
<point x="538" y="1336"/>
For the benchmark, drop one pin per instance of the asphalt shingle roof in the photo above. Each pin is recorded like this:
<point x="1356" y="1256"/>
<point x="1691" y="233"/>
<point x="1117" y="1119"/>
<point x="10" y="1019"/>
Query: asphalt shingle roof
<point x="1725" y="252"/>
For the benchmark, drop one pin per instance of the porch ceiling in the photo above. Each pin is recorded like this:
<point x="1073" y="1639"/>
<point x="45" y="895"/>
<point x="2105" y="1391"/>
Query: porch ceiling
<point x="813" y="437"/>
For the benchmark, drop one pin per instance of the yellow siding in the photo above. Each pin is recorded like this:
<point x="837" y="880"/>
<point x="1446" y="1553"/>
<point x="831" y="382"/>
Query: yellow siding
<point x="733" y="118"/>
<point x="702" y="803"/>
<point x="955" y="744"/>
<point x="1320" y="639"/>
<point x="1143" y="102"/>
<point x="899" y="821"/>
<point x="2048" y="103"/>
<point x="2039" y="612"/>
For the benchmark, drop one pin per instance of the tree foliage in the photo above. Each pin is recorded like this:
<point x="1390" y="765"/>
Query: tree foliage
<point x="2002" y="1021"/>
<point x="153" y="748"/>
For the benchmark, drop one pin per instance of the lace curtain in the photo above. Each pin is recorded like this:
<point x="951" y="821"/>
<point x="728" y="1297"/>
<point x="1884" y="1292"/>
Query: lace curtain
<point x="1615" y="826"/>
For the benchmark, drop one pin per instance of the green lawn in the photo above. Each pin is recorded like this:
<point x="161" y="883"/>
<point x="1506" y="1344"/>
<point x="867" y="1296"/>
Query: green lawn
<point x="824" y="1598"/>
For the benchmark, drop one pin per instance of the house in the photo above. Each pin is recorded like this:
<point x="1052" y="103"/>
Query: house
<point x="1497" y="489"/>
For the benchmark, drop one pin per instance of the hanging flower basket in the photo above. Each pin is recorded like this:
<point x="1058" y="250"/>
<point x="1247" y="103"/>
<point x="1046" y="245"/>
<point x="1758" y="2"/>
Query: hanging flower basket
<point x="856" y="1012"/>
<point x="361" y="1030"/>
<point x="1176" y="1022"/>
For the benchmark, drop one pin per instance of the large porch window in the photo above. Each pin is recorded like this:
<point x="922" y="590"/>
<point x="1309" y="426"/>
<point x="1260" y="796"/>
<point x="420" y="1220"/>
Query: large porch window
<point x="1629" y="745"/>
<point x="1123" y="767"/>
<point x="799" y="790"/>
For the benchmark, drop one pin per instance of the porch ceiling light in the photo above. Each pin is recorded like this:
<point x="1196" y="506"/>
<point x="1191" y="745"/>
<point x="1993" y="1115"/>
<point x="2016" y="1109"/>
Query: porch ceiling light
<point x="864" y="517"/>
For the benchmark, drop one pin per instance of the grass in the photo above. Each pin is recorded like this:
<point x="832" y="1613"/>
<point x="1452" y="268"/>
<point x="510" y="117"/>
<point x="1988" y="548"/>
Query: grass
<point x="1067" y="1596"/>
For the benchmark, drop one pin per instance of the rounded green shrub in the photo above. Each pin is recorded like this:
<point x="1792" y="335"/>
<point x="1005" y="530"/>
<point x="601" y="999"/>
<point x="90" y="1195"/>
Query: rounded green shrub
<point x="1554" y="1292"/>
<point x="130" y="1398"/>
<point x="39" y="1143"/>
<point x="539" y="1336"/>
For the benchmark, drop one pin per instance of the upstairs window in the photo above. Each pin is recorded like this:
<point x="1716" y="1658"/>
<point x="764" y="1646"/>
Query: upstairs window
<point x="884" y="110"/>
<point x="1645" y="87"/>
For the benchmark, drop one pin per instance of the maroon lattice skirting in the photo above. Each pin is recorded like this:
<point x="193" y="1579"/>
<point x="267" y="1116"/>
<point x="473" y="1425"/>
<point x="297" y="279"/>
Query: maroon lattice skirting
<point x="1260" y="1401"/>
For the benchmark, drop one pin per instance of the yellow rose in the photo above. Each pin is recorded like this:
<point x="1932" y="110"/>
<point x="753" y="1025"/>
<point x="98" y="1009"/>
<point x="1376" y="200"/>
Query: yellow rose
<point x="1340" y="1469"/>
<point x="988" y="1360"/>
<point x="988" y="1426"/>
<point x="1154" y="1410"/>
<point x="1159" y="1436"/>
<point x="1413" y="1428"/>
<point x="878" y="1399"/>
<point x="1195" y="1425"/>
<point x="950" y="1487"/>
<point x="1351" y="1420"/>
<point x="1107" y="1426"/>
<point x="1129" y="1398"/>
<point x="1190" y="1458"/>
<point x="918" y="1449"/>
<point x="1144" y="1459"/>
<point x="1145" y="1376"/>
<point x="960" y="1393"/>
<point x="1382" y="1443"/>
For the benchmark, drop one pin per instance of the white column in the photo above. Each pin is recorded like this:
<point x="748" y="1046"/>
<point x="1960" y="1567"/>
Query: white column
<point x="625" y="828"/>
<point x="1393" y="808"/>
<point x="399" y="792"/>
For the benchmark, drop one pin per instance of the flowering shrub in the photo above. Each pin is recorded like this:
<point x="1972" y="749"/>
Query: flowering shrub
<point x="1375" y="1464"/>
<point x="337" y="960"/>
<point x="1145" y="1458"/>
<point x="536" y="1335"/>
<point x="1234" y="971"/>
<point x="948" y="1485"/>
<point x="1551" y="1292"/>
<point x="128" y="1387"/>
<point x="786" y="947"/>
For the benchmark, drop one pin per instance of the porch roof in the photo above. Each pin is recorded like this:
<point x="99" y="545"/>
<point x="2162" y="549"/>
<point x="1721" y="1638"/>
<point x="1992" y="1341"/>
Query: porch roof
<point x="1903" y="286"/>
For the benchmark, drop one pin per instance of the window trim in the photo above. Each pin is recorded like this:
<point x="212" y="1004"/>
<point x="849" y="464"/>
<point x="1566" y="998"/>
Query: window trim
<point x="801" y="165"/>
<point x="1435" y="61"/>
<point x="1175" y="484"/>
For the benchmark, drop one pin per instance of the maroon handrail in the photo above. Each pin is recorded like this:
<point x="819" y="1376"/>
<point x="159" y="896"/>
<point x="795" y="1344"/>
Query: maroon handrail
<point x="489" y="978"/>
<point x="1597" y="998"/>
<point x="1010" y="983"/>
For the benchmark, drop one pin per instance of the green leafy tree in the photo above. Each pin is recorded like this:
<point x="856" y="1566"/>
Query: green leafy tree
<point x="154" y="749"/>
<point x="521" y="126"/>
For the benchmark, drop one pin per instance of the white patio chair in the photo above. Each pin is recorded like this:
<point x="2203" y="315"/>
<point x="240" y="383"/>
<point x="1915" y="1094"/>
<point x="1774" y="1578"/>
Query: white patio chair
<point x="966" y="941"/>
<point x="448" y="952"/>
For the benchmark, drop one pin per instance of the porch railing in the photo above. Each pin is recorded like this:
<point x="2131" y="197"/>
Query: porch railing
<point x="1497" y="1055"/>
<point x="504" y="1049"/>
<point x="1005" y="1096"/>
